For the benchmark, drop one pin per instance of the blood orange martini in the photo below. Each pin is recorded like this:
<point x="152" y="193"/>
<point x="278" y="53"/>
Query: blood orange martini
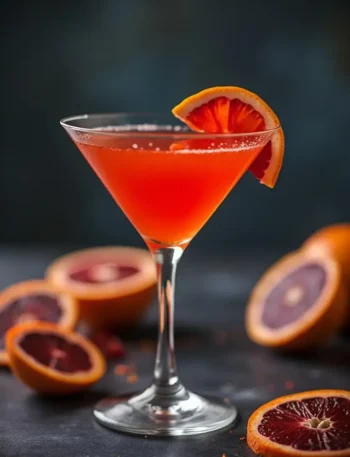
<point x="168" y="180"/>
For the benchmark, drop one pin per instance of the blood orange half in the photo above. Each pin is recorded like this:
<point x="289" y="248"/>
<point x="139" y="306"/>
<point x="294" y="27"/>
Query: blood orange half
<point x="52" y="360"/>
<point x="298" y="303"/>
<point x="334" y="240"/>
<point x="232" y="109"/>
<point x="315" y="423"/>
<point x="34" y="300"/>
<point x="113" y="285"/>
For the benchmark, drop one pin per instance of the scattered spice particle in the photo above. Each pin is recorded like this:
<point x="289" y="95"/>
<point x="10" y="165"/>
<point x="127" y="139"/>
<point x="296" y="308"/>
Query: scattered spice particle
<point x="223" y="455"/>
<point x="230" y="432"/>
<point x="289" y="385"/>
<point x="132" y="378"/>
<point x="121" y="369"/>
<point x="242" y="438"/>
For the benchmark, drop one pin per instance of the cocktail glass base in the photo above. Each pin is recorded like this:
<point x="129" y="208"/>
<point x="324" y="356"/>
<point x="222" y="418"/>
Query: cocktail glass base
<point x="151" y="413"/>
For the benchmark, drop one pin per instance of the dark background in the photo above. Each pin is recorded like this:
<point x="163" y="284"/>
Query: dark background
<point x="69" y="57"/>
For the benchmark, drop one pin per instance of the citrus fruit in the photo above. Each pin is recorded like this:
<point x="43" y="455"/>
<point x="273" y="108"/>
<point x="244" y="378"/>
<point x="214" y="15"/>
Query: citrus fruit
<point x="231" y="109"/>
<point x="298" y="303"/>
<point x="34" y="300"/>
<point x="53" y="360"/>
<point x="113" y="285"/>
<point x="333" y="240"/>
<point x="315" y="423"/>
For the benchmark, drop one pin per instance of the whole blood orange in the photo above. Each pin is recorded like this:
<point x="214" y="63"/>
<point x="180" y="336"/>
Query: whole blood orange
<point x="34" y="300"/>
<point x="230" y="109"/>
<point x="333" y="240"/>
<point x="308" y="424"/>
<point x="113" y="285"/>
<point x="52" y="360"/>
<point x="298" y="303"/>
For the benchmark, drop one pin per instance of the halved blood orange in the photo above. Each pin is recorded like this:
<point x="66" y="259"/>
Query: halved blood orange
<point x="298" y="303"/>
<point x="232" y="109"/>
<point x="333" y="240"/>
<point x="34" y="300"/>
<point x="53" y="360"/>
<point x="315" y="423"/>
<point x="113" y="285"/>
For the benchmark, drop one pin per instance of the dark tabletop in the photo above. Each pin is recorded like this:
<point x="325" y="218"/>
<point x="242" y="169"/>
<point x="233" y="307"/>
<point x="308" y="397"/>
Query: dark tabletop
<point x="214" y="356"/>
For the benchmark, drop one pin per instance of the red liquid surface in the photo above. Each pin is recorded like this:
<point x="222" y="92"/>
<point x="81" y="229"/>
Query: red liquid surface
<point x="167" y="195"/>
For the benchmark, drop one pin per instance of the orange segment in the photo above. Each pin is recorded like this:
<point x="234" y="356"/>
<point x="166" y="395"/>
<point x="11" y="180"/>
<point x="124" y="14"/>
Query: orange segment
<point x="235" y="110"/>
<point x="53" y="360"/>
<point x="307" y="424"/>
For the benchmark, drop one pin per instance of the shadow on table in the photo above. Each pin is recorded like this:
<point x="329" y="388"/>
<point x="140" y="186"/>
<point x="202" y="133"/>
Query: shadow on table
<point x="64" y="404"/>
<point x="151" y="331"/>
<point x="189" y="337"/>
<point x="336" y="354"/>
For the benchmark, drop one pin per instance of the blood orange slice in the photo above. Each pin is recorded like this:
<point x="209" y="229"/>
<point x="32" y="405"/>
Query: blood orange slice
<point x="52" y="360"/>
<point x="113" y="285"/>
<point x="35" y="300"/>
<point x="315" y="423"/>
<point x="231" y="109"/>
<point x="299" y="303"/>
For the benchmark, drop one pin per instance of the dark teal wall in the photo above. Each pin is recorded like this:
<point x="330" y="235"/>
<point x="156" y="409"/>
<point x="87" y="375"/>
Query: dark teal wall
<point x="63" y="58"/>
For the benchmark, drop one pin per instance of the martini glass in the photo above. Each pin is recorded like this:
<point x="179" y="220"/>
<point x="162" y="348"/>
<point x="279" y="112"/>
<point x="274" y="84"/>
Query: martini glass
<point x="168" y="181"/>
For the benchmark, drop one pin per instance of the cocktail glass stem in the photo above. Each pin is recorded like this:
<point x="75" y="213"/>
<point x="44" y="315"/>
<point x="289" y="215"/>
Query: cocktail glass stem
<point x="166" y="400"/>
<point x="166" y="407"/>
<point x="165" y="376"/>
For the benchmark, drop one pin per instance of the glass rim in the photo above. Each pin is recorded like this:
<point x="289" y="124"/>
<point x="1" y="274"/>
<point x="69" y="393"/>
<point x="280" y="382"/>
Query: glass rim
<point x="149" y="133"/>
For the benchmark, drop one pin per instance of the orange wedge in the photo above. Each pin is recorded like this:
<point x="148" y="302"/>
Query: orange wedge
<point x="231" y="109"/>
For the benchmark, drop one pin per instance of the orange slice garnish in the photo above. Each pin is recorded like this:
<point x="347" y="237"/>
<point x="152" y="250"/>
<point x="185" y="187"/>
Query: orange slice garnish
<point x="53" y="360"/>
<point x="314" y="424"/>
<point x="235" y="110"/>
